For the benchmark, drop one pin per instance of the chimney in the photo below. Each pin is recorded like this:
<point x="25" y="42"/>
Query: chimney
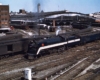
<point x="38" y="7"/>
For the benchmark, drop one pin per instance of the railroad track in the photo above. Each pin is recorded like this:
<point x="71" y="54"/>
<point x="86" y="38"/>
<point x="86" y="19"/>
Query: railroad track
<point x="94" y="75"/>
<point x="92" y="72"/>
<point x="73" y="72"/>
<point x="11" y="59"/>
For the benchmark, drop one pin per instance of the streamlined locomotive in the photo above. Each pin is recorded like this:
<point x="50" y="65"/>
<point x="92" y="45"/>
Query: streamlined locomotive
<point x="59" y="43"/>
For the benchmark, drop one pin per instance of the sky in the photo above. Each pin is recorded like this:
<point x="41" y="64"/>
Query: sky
<point x="83" y="6"/>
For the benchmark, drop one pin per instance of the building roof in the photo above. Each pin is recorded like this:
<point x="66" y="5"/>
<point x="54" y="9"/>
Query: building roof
<point x="34" y="16"/>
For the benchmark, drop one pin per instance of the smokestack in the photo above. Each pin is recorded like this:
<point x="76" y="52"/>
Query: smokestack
<point x="38" y="7"/>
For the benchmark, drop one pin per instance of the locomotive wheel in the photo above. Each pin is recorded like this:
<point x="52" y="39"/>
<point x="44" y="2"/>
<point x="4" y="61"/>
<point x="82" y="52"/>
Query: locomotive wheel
<point x="60" y="50"/>
<point x="63" y="48"/>
<point x="54" y="51"/>
<point x="50" y="51"/>
<point x="42" y="53"/>
<point x="39" y="55"/>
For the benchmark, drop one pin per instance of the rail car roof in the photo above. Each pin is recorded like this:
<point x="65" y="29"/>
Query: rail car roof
<point x="89" y="33"/>
<point x="10" y="37"/>
<point x="66" y="35"/>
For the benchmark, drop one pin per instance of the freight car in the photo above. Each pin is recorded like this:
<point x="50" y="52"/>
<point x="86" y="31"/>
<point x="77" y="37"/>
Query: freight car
<point x="58" y="43"/>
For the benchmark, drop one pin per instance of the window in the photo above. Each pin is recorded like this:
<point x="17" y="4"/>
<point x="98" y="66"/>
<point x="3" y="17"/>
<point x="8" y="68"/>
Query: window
<point x="9" y="48"/>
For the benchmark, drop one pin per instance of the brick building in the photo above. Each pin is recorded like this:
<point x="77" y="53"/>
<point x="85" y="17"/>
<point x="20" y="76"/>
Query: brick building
<point x="4" y="15"/>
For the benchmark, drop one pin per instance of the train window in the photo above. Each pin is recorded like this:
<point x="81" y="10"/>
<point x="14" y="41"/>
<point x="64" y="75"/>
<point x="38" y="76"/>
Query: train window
<point x="9" y="48"/>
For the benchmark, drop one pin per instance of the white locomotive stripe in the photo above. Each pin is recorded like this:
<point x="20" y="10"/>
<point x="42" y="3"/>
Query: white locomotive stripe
<point x="55" y="45"/>
<point x="71" y="41"/>
<point x="50" y="46"/>
<point x="75" y="40"/>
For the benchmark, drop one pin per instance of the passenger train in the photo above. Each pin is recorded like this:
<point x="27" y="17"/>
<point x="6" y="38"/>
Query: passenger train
<point x="59" y="43"/>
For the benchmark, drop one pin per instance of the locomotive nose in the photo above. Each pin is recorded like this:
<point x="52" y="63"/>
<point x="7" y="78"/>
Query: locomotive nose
<point x="31" y="56"/>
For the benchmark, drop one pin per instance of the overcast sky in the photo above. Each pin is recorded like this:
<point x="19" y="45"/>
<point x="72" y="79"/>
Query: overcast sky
<point x="83" y="6"/>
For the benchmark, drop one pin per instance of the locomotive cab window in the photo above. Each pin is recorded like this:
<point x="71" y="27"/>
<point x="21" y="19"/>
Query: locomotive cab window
<point x="9" y="48"/>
